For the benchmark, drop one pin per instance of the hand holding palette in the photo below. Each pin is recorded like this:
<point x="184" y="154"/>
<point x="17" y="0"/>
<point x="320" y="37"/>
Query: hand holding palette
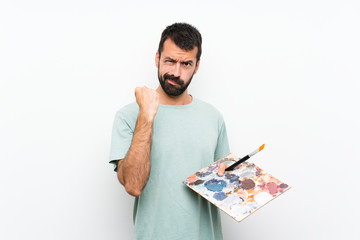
<point x="238" y="193"/>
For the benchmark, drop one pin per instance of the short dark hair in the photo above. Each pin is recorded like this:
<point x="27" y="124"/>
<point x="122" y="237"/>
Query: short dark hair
<point x="184" y="36"/>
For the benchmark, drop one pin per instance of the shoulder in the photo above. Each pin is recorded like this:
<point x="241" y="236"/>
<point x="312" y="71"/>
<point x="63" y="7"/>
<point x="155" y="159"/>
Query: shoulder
<point x="128" y="112"/>
<point x="207" y="108"/>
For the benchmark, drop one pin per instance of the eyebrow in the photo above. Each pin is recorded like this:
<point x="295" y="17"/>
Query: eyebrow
<point x="188" y="62"/>
<point x="169" y="58"/>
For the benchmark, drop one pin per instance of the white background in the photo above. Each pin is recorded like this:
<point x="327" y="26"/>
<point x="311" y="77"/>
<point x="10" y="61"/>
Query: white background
<point x="283" y="73"/>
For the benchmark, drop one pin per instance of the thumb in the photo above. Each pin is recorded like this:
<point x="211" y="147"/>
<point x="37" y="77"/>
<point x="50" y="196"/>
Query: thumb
<point x="221" y="170"/>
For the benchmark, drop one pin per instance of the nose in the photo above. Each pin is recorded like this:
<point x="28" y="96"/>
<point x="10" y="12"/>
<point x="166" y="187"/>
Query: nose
<point x="177" y="70"/>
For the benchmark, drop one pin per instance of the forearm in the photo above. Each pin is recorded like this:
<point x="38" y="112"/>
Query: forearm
<point x="134" y="169"/>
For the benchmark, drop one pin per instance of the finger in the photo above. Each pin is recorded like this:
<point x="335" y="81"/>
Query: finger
<point x="137" y="91"/>
<point x="222" y="168"/>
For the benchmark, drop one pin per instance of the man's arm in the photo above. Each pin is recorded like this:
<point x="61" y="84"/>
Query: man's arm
<point x="133" y="171"/>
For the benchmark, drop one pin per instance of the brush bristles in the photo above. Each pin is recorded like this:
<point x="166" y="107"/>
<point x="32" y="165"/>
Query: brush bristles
<point x="262" y="147"/>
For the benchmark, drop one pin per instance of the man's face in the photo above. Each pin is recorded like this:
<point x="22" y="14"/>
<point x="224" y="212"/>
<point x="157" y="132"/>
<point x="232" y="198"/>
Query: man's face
<point x="176" y="67"/>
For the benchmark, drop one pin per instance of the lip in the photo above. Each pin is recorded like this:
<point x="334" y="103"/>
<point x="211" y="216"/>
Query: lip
<point x="172" y="82"/>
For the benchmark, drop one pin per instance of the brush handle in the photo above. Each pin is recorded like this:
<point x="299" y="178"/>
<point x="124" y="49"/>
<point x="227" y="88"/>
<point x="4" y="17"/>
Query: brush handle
<point x="233" y="166"/>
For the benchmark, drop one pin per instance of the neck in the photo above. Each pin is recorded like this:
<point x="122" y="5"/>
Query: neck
<point x="165" y="99"/>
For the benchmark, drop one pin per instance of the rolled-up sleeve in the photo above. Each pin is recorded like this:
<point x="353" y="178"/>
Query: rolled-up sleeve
<point x="222" y="146"/>
<point x="121" y="138"/>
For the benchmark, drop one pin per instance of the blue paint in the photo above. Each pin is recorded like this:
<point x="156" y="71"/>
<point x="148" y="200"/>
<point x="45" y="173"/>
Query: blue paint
<point x="203" y="174"/>
<point x="232" y="177"/>
<point x="215" y="185"/>
<point x="212" y="168"/>
<point x="248" y="175"/>
<point x="220" y="196"/>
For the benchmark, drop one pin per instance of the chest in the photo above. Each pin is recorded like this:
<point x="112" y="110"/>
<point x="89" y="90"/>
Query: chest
<point x="185" y="130"/>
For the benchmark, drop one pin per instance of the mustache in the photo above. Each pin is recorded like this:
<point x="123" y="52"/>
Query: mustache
<point x="173" y="78"/>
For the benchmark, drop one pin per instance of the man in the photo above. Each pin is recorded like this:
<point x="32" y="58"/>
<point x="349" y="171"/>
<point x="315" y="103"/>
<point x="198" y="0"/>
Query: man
<point x="163" y="138"/>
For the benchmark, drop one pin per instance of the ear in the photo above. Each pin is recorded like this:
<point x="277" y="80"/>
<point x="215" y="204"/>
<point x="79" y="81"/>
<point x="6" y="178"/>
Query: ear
<point x="157" y="59"/>
<point x="197" y="66"/>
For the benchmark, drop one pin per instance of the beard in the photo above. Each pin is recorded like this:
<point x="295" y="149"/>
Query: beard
<point x="170" y="89"/>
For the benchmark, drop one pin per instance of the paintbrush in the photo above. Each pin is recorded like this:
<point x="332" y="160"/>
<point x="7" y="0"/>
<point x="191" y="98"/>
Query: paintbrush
<point x="232" y="167"/>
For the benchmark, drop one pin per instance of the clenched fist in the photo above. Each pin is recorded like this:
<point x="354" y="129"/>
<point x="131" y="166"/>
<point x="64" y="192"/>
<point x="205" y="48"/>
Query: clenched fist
<point x="148" y="101"/>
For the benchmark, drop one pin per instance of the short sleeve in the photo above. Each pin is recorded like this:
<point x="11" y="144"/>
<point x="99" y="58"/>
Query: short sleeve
<point x="122" y="134"/>
<point x="222" y="146"/>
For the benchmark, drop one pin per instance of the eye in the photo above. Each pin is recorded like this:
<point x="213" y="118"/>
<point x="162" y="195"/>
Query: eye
<point x="169" y="61"/>
<point x="187" y="64"/>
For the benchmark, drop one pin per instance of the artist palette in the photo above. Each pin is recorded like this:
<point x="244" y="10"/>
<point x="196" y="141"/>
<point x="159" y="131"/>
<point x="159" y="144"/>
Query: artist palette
<point x="238" y="193"/>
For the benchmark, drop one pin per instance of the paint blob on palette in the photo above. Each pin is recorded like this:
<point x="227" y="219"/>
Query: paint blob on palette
<point x="238" y="193"/>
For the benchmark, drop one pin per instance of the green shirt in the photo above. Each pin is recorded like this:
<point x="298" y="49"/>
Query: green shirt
<point x="186" y="138"/>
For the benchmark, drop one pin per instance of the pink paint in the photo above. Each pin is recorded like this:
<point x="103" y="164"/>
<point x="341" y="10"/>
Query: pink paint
<point x="272" y="187"/>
